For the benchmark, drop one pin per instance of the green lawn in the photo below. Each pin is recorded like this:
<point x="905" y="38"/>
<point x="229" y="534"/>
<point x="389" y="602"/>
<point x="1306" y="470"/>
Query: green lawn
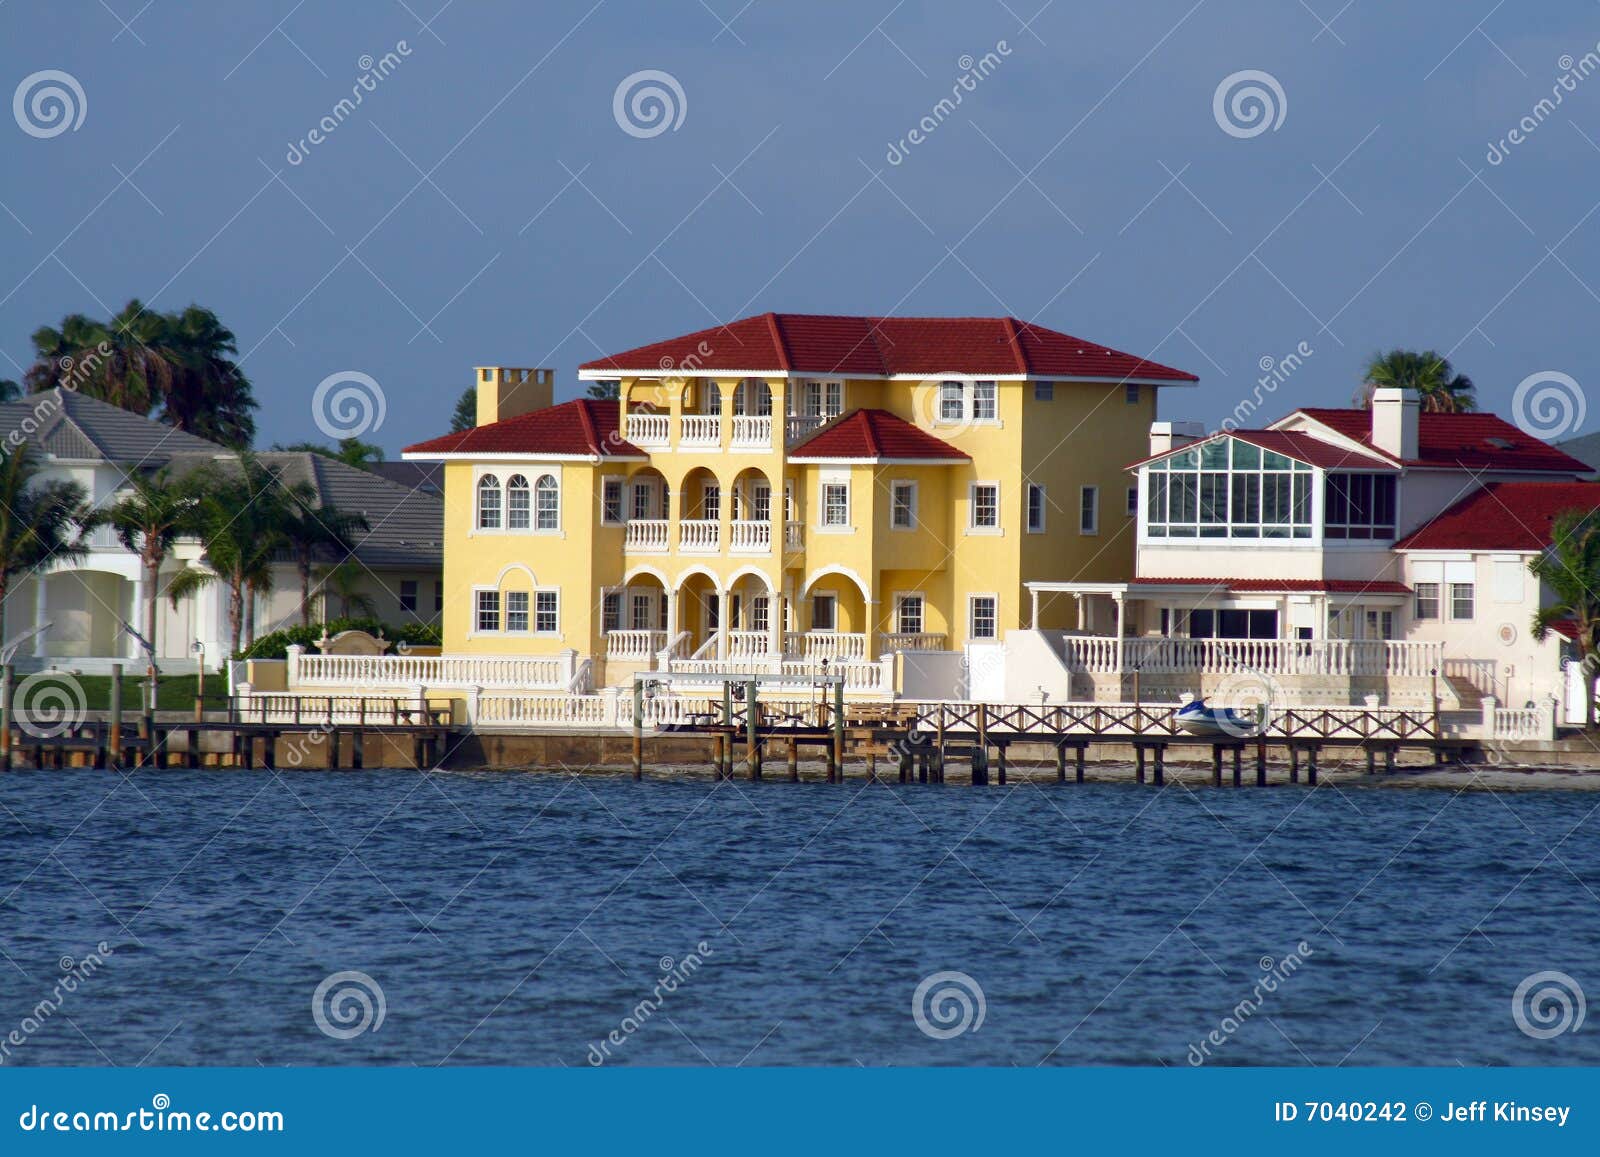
<point x="173" y="692"/>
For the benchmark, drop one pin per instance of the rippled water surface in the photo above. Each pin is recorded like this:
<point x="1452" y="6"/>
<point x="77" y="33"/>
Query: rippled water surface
<point x="518" y="919"/>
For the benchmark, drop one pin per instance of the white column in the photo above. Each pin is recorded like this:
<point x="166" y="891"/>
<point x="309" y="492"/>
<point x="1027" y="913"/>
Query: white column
<point x="1120" y="611"/>
<point x="41" y="610"/>
<point x="774" y="620"/>
<point x="724" y="599"/>
<point x="1034" y="623"/>
<point x="135" y="650"/>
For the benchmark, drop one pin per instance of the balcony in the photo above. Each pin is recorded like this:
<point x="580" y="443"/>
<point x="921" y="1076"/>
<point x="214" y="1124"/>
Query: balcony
<point x="751" y="536"/>
<point x="648" y="430"/>
<point x="634" y="646"/>
<point x="794" y="536"/>
<point x="645" y="536"/>
<point x="910" y="641"/>
<point x="1274" y="657"/>
<point x="752" y="432"/>
<point x="699" y="536"/>
<point x="700" y="430"/>
<point x="798" y="426"/>
<point x="832" y="646"/>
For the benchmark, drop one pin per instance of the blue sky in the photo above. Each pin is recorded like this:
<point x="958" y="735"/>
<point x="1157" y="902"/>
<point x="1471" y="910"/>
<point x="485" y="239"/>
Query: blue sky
<point x="483" y="206"/>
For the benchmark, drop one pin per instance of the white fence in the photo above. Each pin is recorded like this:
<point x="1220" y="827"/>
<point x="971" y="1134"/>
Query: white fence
<point x="436" y="672"/>
<point x="1098" y="654"/>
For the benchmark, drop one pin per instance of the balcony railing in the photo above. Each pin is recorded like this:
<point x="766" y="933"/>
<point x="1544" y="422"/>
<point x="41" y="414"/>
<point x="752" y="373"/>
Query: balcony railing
<point x="830" y="645"/>
<point x="748" y="644"/>
<point x="752" y="431"/>
<point x="1341" y="657"/>
<point x="634" y="646"/>
<point x="910" y="641"/>
<point x="751" y="536"/>
<point x="794" y="536"/>
<point x="645" y="536"/>
<point x="647" y="429"/>
<point x="798" y="426"/>
<point x="699" y="536"/>
<point x="700" y="430"/>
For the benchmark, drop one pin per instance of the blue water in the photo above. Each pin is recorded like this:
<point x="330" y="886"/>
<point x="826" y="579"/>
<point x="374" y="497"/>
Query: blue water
<point x="517" y="919"/>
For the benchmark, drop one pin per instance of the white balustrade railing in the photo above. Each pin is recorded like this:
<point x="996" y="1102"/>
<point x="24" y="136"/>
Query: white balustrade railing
<point x="830" y="645"/>
<point x="794" y="536"/>
<point x="751" y="536"/>
<point x="645" y="536"/>
<point x="700" y="430"/>
<point x="1347" y="657"/>
<point x="431" y="671"/>
<point x="798" y="426"/>
<point x="634" y="646"/>
<point x="752" y="431"/>
<point x="744" y="644"/>
<point x="910" y="641"/>
<point x="699" y="535"/>
<point x="647" y="429"/>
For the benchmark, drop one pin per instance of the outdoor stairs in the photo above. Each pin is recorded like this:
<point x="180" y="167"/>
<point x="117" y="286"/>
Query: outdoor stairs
<point x="1469" y="697"/>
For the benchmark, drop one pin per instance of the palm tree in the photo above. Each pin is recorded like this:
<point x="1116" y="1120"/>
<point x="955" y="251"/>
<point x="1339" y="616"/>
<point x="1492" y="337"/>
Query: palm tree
<point x="1570" y="568"/>
<point x="608" y="389"/>
<point x="148" y="519"/>
<point x="41" y="522"/>
<point x="210" y="395"/>
<point x="1429" y="373"/>
<point x="309" y="529"/>
<point x="351" y="451"/>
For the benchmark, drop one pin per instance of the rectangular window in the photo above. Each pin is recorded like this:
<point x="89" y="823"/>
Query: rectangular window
<point x="408" y="595"/>
<point x="546" y="504"/>
<point x="643" y="500"/>
<point x="908" y="615"/>
<point x="711" y="501"/>
<point x="952" y="406"/>
<point x="489" y="503"/>
<point x="546" y="612"/>
<point x="835" y="403"/>
<point x="1088" y="510"/>
<point x="985" y="408"/>
<point x="813" y="399"/>
<point x="1133" y="502"/>
<point x="1036" y="505"/>
<point x="985" y="503"/>
<point x="1130" y="394"/>
<point x="1044" y="391"/>
<point x="1461" y="598"/>
<point x="1359" y="506"/>
<point x="438" y="598"/>
<point x="611" y="501"/>
<point x="903" y="505"/>
<point x="516" y="610"/>
<point x="761" y="502"/>
<point x="517" y="503"/>
<point x="1427" y="601"/>
<point x="824" y="613"/>
<point x="488" y="611"/>
<point x="1380" y="624"/>
<point x="642" y="611"/>
<point x="981" y="617"/>
<point x="1228" y="488"/>
<point x="835" y="504"/>
<point x="610" y="612"/>
<point x="760" y="615"/>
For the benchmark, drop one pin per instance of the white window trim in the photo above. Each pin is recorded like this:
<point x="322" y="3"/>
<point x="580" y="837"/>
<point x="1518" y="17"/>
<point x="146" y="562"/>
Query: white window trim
<point x="1044" y="508"/>
<point x="622" y="499"/>
<point x="998" y="530"/>
<point x="1094" y="523"/>
<point x="902" y="596"/>
<point x="973" y="596"/>
<point x="502" y="484"/>
<point x="505" y="613"/>
<point x="533" y="613"/>
<point x="823" y="526"/>
<point x="968" y="403"/>
<point x="473" y="629"/>
<point x="915" y="505"/>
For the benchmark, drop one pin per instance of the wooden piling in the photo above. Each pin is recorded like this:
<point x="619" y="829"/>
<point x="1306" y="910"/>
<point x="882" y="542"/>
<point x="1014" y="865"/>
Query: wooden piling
<point x="1061" y="763"/>
<point x="1000" y="762"/>
<point x="1294" y="764"/>
<point x="752" y="730"/>
<point x="638" y="730"/>
<point x="1138" y="755"/>
<point x="1159" y="753"/>
<point x="1079" y="754"/>
<point x="7" y="681"/>
<point x="358" y="748"/>
<point x="838" y="727"/>
<point x="115" y="760"/>
<point x="1238" y="764"/>
<point x="1216" y="765"/>
<point x="794" y="761"/>
<point x="1261" y="763"/>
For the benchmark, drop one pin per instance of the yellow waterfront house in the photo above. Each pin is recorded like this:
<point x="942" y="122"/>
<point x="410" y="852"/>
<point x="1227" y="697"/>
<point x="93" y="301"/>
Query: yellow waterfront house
<point x="792" y="490"/>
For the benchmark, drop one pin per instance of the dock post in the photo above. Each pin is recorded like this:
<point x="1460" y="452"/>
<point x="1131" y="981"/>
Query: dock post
<point x="1078" y="754"/>
<point x="333" y="749"/>
<point x="6" y="682"/>
<point x="114" y="760"/>
<point x="1160" y="754"/>
<point x="269" y="750"/>
<point x="752" y="730"/>
<point x="1311" y="765"/>
<point x="838" y="727"/>
<point x="980" y="765"/>
<point x="1261" y="763"/>
<point x="1372" y="761"/>
<point x="193" y="755"/>
<point x="794" y="761"/>
<point x="1061" y="763"/>
<point x="1216" y="765"/>
<point x="1138" y="756"/>
<point x="923" y="760"/>
<point x="358" y="748"/>
<point x="1000" y="762"/>
<point x="906" y="762"/>
<point x="1238" y="764"/>
<point x="1294" y="764"/>
<point x="638" y="730"/>
<point x="1388" y="760"/>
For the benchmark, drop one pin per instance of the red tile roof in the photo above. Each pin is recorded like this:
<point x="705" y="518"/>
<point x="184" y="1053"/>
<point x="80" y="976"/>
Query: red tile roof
<point x="1289" y="586"/>
<point x="586" y="427"/>
<point x="1503" y="516"/>
<point x="1459" y="441"/>
<point x="883" y="346"/>
<point x="874" y="435"/>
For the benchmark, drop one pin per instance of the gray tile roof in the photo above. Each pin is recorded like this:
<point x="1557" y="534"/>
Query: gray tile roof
<point x="67" y="424"/>
<point x="1584" y="449"/>
<point x="406" y="524"/>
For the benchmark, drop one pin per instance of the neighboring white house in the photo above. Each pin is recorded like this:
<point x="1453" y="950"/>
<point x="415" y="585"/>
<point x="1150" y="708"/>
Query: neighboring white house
<point x="1335" y="555"/>
<point x="87" y="601"/>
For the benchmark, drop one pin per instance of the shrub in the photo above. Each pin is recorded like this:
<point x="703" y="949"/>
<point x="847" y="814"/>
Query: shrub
<point x="277" y="644"/>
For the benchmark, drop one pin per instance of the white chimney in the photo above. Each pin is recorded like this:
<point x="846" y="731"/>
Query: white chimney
<point x="1166" y="436"/>
<point x="1394" y="422"/>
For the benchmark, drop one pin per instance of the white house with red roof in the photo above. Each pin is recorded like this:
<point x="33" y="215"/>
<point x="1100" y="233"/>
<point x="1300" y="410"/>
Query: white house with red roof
<point x="1332" y="556"/>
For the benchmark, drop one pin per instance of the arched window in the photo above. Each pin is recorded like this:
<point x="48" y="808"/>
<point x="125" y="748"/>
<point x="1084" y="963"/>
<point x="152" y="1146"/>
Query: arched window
<point x="547" y="503"/>
<point x="517" y="503"/>
<point x="752" y="396"/>
<point x="488" y="503"/>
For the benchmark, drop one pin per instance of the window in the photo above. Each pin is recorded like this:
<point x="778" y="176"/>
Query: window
<point x="488" y="617"/>
<point x="1044" y="391"/>
<point x="835" y="504"/>
<point x="760" y="619"/>
<point x="1088" y="510"/>
<point x="643" y="499"/>
<point x="1133" y="502"/>
<point x="951" y="403"/>
<point x="516" y="610"/>
<point x="438" y="598"/>
<point x="985" y="503"/>
<point x="546" y="503"/>
<point x="711" y="502"/>
<point x="1380" y="625"/>
<point x="517" y="503"/>
<point x="546" y="612"/>
<point x="1130" y="394"/>
<point x="903" y="505"/>
<point x="611" y="502"/>
<point x="761" y="502"/>
<point x="824" y="612"/>
<point x="835" y="395"/>
<point x="488" y="503"/>
<point x="984" y="406"/>
<point x="611" y="612"/>
<point x="1227" y="488"/>
<point x="981" y="617"/>
<point x="1427" y="601"/>
<point x="642" y="611"/>
<point x="1036" y="505"/>
<point x="1461" y="597"/>
<point x="752" y="396"/>
<point x="1359" y="506"/>
<point x="908" y="615"/>
<point x="408" y="595"/>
